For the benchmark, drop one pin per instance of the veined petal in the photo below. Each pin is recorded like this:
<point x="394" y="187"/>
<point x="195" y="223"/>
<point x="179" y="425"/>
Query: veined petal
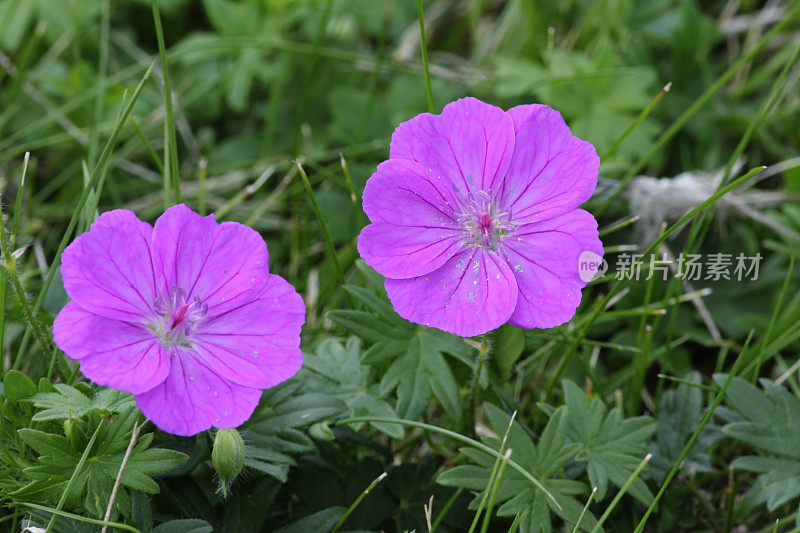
<point x="194" y="398"/>
<point x="109" y="270"/>
<point x="118" y="354"/>
<point x="551" y="172"/>
<point x="258" y="343"/>
<point x="545" y="259"/>
<point x="224" y="265"/>
<point x="470" y="144"/>
<point x="473" y="293"/>
<point x="414" y="216"/>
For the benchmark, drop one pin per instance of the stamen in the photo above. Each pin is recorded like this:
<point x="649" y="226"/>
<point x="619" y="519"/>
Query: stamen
<point x="484" y="223"/>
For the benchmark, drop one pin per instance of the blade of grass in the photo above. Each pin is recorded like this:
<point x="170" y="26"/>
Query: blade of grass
<point x="616" y="227"/>
<point x="773" y="319"/>
<point x="423" y="45"/>
<point x="104" y="156"/>
<point x="309" y="80"/>
<point x="102" y="71"/>
<point x="495" y="467"/>
<point x="638" y="120"/>
<point x="172" y="170"/>
<point x="358" y="500"/>
<point x="12" y="240"/>
<point x="706" y="419"/>
<point x="622" y="491"/>
<point x="701" y="101"/>
<point x="598" y="309"/>
<point x="495" y="487"/>
<point x="80" y="518"/>
<point x="353" y="196"/>
<point x="323" y="225"/>
<point x="74" y="475"/>
<point x="146" y="142"/>
<point x="457" y="436"/>
<point x="585" y="508"/>
<point x="446" y="508"/>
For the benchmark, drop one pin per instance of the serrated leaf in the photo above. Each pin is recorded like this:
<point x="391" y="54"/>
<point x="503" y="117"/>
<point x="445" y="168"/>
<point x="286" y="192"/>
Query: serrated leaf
<point x="338" y="369"/>
<point x="516" y="493"/>
<point x="678" y="413"/>
<point x="422" y="371"/>
<point x="277" y="430"/>
<point x="610" y="445"/>
<point x="69" y="402"/>
<point x="191" y="525"/>
<point x="771" y="425"/>
<point x="417" y="367"/>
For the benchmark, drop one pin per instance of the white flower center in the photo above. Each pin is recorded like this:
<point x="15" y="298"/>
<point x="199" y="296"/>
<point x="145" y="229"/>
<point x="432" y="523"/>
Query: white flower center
<point x="176" y="318"/>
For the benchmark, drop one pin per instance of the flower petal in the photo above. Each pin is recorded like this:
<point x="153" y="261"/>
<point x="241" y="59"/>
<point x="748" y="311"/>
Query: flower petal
<point x="551" y="171"/>
<point x="545" y="259"/>
<point x="258" y="343"/>
<point x="118" y="354"/>
<point x="470" y="144"/>
<point x="474" y="292"/>
<point x="108" y="270"/>
<point x="223" y="264"/>
<point x="414" y="218"/>
<point x="194" y="397"/>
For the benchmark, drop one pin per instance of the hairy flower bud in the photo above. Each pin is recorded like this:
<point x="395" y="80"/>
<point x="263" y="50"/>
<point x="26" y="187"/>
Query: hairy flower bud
<point x="227" y="456"/>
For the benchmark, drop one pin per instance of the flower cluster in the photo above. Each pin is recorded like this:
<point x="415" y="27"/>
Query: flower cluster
<point x="474" y="223"/>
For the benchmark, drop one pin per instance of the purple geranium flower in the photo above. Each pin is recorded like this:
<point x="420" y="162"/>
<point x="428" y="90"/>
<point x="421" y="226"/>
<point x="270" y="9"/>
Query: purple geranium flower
<point x="475" y="218"/>
<point x="185" y="315"/>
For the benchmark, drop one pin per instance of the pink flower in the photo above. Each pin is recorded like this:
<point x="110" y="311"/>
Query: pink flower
<point x="475" y="218"/>
<point x="184" y="315"/>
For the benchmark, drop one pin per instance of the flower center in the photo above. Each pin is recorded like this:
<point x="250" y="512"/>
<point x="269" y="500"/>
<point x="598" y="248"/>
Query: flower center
<point x="484" y="223"/>
<point x="176" y="318"/>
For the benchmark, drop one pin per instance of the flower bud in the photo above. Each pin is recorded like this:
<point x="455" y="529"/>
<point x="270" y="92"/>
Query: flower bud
<point x="227" y="456"/>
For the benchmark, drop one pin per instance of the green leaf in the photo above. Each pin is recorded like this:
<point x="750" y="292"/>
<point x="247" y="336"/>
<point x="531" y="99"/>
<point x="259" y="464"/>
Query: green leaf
<point x="17" y="386"/>
<point x="275" y="432"/>
<point x="337" y="369"/>
<point x="69" y="402"/>
<point x="509" y="343"/>
<point x="58" y="457"/>
<point x="771" y="424"/>
<point x="321" y="521"/>
<point x="417" y="369"/>
<point x="421" y="371"/>
<point x="192" y="525"/>
<point x="544" y="461"/>
<point x="678" y="413"/>
<point x="610" y="445"/>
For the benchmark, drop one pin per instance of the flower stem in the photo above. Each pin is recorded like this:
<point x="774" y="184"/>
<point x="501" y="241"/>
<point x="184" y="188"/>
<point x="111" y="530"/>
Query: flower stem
<point x="483" y="351"/>
<point x="10" y="264"/>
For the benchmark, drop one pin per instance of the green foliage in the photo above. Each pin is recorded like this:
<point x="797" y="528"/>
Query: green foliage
<point x="611" y="446"/>
<point x="51" y="452"/>
<point x="769" y="423"/>
<point x="337" y="370"/>
<point x="545" y="460"/>
<point x="417" y="369"/>
<point x="275" y="432"/>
